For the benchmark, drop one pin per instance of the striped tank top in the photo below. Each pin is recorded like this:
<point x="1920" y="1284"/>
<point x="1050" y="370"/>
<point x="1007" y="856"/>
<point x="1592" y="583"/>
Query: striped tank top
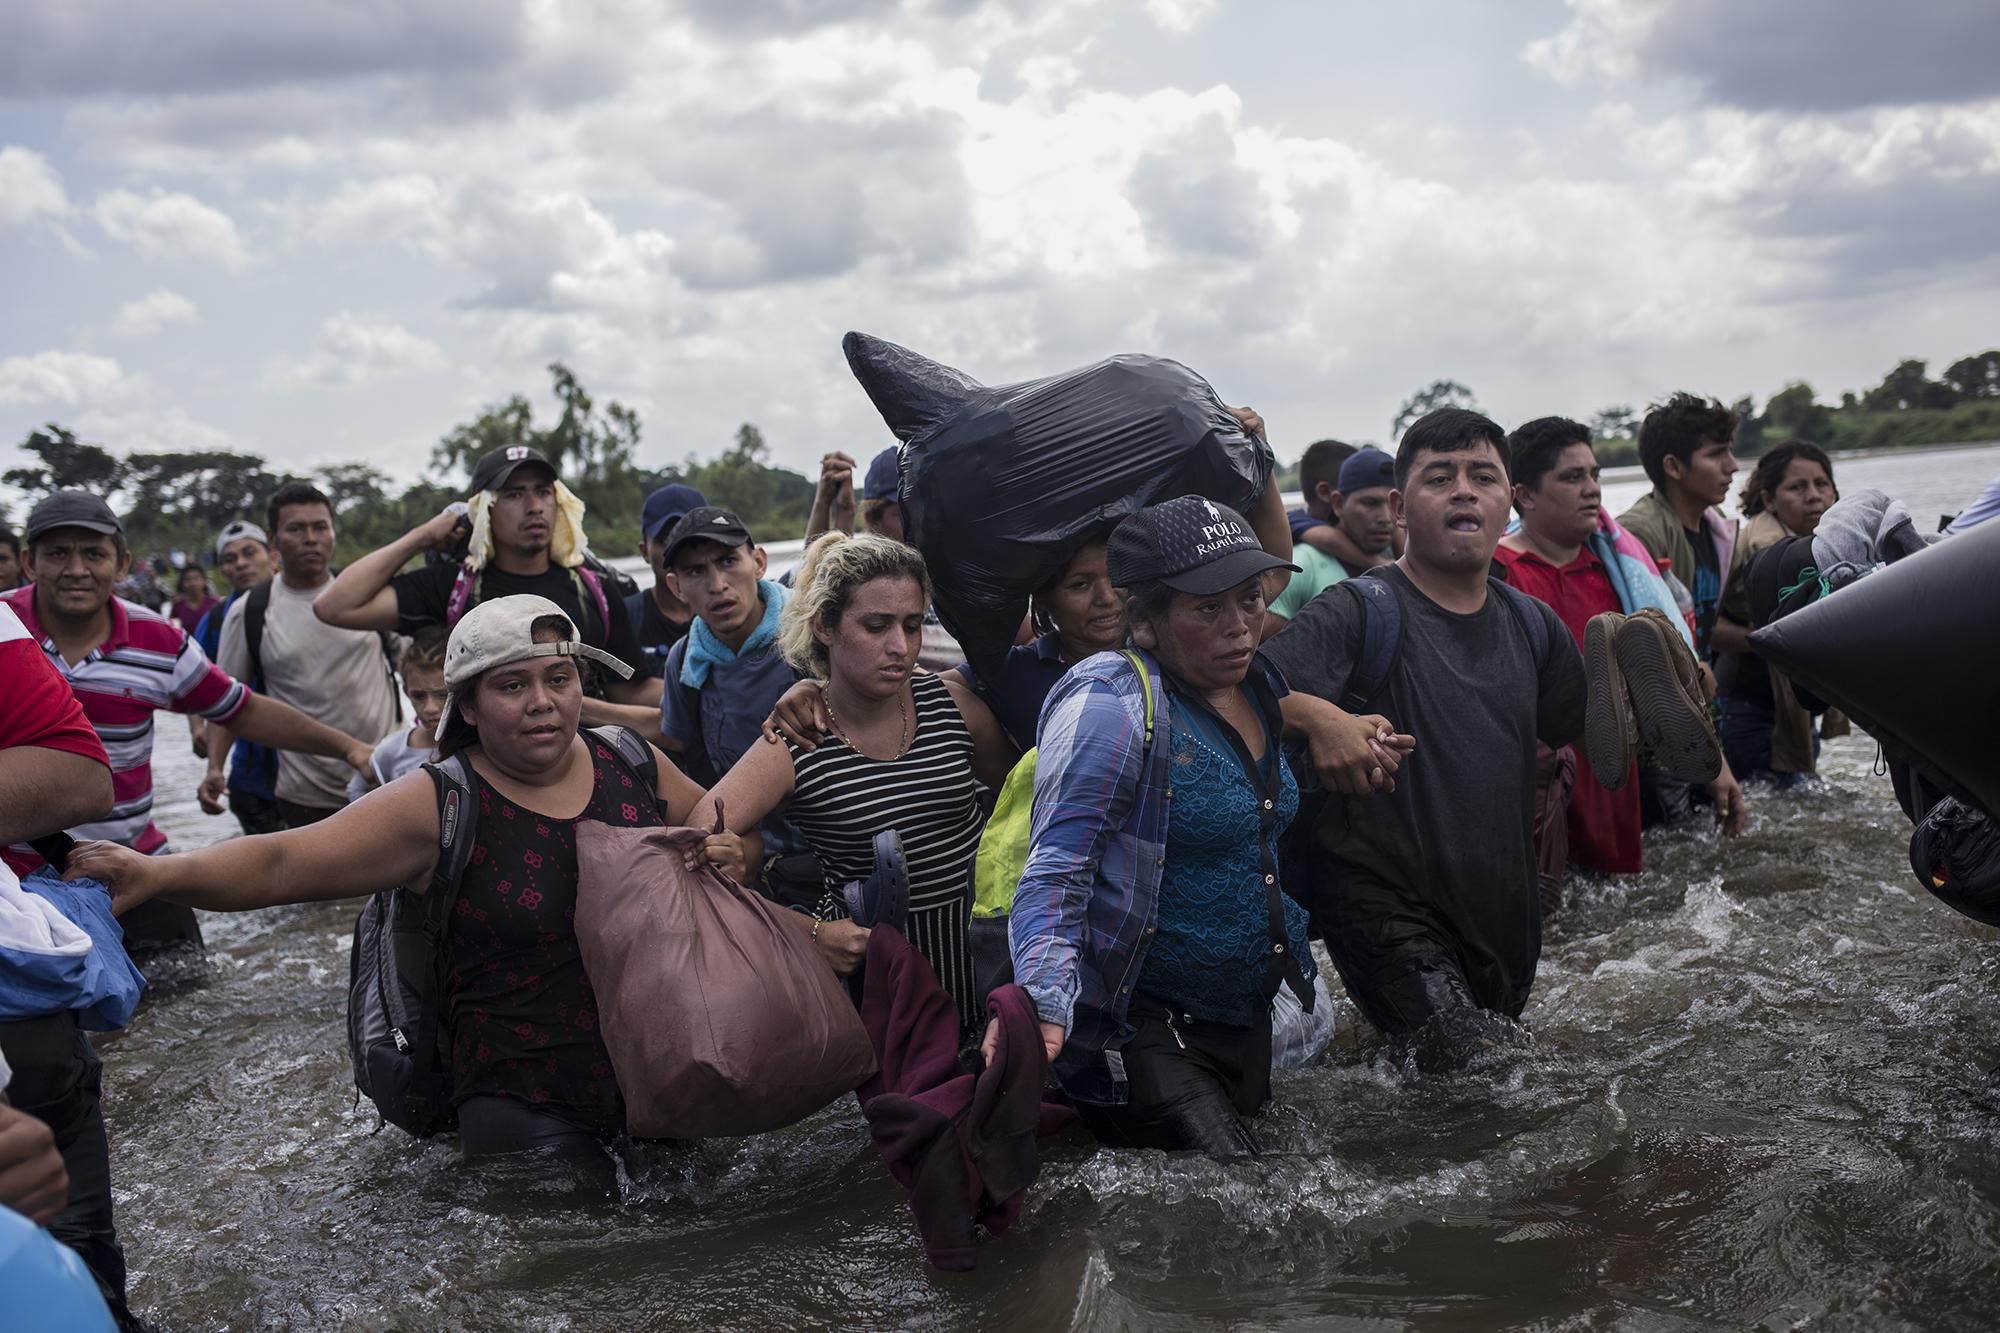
<point x="841" y="799"/>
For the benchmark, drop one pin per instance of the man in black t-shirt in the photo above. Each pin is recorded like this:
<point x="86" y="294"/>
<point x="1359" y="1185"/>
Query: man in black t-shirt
<point x="1425" y="889"/>
<point x="525" y="507"/>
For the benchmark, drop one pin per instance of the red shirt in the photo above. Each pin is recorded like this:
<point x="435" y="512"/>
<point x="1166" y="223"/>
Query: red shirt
<point x="1603" y="824"/>
<point x="40" y="709"/>
<point x="146" y="664"/>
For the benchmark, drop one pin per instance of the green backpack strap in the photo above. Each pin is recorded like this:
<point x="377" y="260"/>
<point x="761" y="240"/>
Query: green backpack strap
<point x="1003" y="844"/>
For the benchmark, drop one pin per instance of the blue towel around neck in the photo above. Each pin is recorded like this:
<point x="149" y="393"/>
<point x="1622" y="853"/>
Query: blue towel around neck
<point x="704" y="650"/>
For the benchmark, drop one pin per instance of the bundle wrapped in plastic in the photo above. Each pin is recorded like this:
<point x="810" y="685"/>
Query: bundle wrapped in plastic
<point x="1001" y="485"/>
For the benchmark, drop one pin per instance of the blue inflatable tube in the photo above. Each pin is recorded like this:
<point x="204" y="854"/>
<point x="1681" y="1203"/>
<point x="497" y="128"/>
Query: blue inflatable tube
<point x="46" y="1287"/>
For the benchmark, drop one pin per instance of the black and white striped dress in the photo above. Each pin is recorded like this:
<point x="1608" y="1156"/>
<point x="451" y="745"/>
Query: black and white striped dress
<point x="841" y="799"/>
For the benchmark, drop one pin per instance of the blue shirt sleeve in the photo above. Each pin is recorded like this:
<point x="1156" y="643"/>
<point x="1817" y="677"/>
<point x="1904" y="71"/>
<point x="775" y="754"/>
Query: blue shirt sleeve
<point x="680" y="718"/>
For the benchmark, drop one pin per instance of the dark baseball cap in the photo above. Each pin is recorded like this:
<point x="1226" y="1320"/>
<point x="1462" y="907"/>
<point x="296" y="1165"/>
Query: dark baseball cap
<point x="667" y="506"/>
<point x="490" y="473"/>
<point x="1190" y="544"/>
<point x="72" y="509"/>
<point x="1366" y="469"/>
<point x="706" y="524"/>
<point x="884" y="474"/>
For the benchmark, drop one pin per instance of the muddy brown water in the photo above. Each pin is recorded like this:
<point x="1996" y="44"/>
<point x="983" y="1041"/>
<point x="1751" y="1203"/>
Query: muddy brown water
<point x="1757" y="1096"/>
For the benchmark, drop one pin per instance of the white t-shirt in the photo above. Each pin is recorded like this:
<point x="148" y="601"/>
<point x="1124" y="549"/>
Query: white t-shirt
<point x="394" y="756"/>
<point x="334" y="676"/>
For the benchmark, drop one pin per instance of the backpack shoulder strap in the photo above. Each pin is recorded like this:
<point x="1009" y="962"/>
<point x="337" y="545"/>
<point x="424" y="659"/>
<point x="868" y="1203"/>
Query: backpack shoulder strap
<point x="256" y="606"/>
<point x="1381" y="641"/>
<point x="1145" y="689"/>
<point x="593" y="590"/>
<point x="464" y="592"/>
<point x="631" y="749"/>
<point x="457" y="816"/>
<point x="1533" y="622"/>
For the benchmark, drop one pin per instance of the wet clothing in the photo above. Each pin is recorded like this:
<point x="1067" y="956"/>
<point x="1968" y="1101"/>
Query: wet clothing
<point x="423" y="597"/>
<point x="1191" y="1084"/>
<point x="1017" y="690"/>
<point x="841" y="799"/>
<point x="58" y="1079"/>
<point x="257" y="814"/>
<point x="498" y="1126"/>
<point x="1602" y="825"/>
<point x="1086" y="910"/>
<point x="1212" y="933"/>
<point x="520" y="1008"/>
<point x="962" y="1144"/>
<point x="654" y="634"/>
<point x="1427" y="895"/>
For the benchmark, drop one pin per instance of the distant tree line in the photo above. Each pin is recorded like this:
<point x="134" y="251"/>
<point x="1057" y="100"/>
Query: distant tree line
<point x="1960" y="406"/>
<point x="182" y="498"/>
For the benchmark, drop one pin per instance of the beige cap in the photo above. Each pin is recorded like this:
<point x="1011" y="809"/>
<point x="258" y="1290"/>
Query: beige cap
<point x="502" y="631"/>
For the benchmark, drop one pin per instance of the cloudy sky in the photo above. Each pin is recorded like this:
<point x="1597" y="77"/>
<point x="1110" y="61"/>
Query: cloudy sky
<point x="331" y="229"/>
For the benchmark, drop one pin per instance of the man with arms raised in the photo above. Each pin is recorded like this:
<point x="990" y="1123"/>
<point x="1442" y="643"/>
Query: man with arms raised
<point x="527" y="539"/>
<point x="1426" y="895"/>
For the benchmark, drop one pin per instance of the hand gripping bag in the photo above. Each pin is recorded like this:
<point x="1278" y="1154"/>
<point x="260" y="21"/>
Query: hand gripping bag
<point x="1001" y="485"/>
<point x="721" y="1016"/>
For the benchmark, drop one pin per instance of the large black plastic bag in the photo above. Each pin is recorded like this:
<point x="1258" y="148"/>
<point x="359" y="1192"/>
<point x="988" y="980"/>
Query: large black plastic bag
<point x="1001" y="485"/>
<point x="1909" y="653"/>
<point x="1956" y="854"/>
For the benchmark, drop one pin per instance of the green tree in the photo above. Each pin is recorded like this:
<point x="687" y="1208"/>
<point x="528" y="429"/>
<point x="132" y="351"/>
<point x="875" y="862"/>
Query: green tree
<point x="353" y="486"/>
<point x="199" y="489"/>
<point x="1975" y="376"/>
<point x="1907" y="388"/>
<point x="1441" y="393"/>
<point x="67" y="463"/>
<point x="1749" y="426"/>
<point x="1614" y="422"/>
<point x="1794" y="412"/>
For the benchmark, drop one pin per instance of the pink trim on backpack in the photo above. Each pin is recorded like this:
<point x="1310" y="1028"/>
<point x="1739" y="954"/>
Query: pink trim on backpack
<point x="462" y="588"/>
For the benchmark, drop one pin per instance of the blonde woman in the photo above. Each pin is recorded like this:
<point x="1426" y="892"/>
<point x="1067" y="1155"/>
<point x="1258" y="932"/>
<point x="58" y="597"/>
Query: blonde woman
<point x="908" y="751"/>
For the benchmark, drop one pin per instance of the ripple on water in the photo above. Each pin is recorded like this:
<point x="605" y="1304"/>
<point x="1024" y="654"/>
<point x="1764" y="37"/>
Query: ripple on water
<point x="1754" y="1093"/>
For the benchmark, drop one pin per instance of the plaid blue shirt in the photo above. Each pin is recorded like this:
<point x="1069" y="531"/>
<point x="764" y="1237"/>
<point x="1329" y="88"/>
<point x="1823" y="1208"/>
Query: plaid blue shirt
<point x="1085" y="908"/>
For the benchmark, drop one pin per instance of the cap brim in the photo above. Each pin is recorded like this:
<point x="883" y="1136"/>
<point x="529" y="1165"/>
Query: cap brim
<point x="500" y="477"/>
<point x="1222" y="575"/>
<point x="653" y="530"/>
<point x="87" y="524"/>
<point x="719" y="538"/>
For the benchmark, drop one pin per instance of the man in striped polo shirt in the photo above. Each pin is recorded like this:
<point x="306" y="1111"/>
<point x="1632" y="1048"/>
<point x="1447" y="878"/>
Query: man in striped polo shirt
<point x="124" y="663"/>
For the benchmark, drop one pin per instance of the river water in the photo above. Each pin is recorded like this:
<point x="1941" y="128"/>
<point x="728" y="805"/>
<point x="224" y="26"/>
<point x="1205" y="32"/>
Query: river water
<point x="1757" y="1096"/>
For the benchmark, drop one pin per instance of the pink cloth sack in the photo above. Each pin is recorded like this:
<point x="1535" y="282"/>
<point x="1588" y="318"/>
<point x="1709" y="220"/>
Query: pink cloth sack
<point x="721" y="1016"/>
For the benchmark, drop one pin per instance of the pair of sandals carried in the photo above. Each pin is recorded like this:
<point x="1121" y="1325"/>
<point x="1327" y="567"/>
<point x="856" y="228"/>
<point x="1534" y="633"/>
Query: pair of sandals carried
<point x="1645" y="689"/>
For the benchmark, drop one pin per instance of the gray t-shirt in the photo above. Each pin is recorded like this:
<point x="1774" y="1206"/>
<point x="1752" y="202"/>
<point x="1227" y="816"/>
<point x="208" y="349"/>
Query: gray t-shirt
<point x="334" y="676"/>
<point x="1450" y="853"/>
<point x="394" y="756"/>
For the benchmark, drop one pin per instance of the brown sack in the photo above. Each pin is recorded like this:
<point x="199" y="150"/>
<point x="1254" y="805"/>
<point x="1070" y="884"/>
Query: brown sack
<point x="721" y="1016"/>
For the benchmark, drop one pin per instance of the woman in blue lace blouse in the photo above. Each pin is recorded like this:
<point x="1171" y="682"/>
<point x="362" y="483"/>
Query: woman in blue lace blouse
<point x="1149" y="926"/>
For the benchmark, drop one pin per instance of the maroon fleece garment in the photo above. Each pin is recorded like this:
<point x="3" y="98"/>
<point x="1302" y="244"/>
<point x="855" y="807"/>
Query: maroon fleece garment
<point x="963" y="1145"/>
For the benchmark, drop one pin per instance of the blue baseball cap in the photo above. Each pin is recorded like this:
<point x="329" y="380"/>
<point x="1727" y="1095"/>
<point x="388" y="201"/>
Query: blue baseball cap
<point x="1366" y="469"/>
<point x="884" y="475"/>
<point x="668" y="506"/>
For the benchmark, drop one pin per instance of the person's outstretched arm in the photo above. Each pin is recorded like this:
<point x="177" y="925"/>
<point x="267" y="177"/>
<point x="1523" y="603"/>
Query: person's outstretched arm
<point x="387" y="838"/>
<point x="360" y="596"/>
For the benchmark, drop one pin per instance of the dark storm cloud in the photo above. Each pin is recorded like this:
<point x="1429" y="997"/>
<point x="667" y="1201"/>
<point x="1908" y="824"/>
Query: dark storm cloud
<point x="1829" y="55"/>
<point x="73" y="48"/>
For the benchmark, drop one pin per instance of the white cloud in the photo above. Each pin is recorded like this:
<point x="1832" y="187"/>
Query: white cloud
<point x="153" y="312"/>
<point x="353" y="349"/>
<point x="61" y="379"/>
<point x="166" y="225"/>
<point x="1180" y="15"/>
<point x="29" y="186"/>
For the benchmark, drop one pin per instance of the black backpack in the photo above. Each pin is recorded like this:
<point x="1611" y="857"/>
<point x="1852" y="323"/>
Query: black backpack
<point x="257" y="605"/>
<point x="396" y="969"/>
